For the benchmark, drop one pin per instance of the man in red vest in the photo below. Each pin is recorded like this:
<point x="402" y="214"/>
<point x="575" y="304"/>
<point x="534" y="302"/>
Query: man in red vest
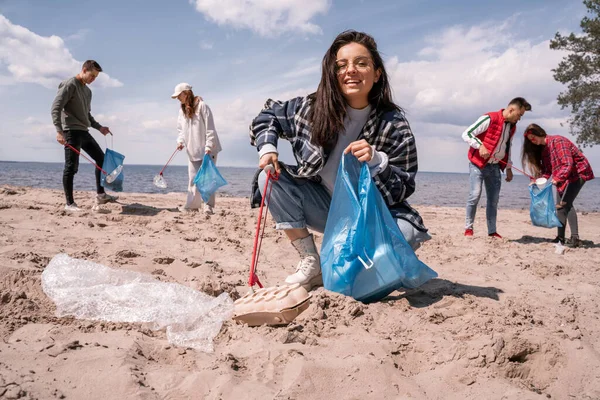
<point x="490" y="139"/>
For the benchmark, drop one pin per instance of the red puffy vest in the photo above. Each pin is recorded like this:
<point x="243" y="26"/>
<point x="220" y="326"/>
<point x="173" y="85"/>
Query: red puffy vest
<point x="490" y="139"/>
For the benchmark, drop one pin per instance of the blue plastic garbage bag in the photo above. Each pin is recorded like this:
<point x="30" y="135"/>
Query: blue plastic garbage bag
<point x="364" y="254"/>
<point x="208" y="179"/>
<point x="112" y="161"/>
<point x="543" y="206"/>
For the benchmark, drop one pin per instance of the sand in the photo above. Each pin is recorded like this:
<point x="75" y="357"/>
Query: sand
<point x="506" y="318"/>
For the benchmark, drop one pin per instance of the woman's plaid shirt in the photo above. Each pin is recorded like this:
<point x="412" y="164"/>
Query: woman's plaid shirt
<point x="389" y="132"/>
<point x="565" y="162"/>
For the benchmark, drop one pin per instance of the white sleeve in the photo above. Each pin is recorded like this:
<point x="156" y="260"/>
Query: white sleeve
<point x="266" y="149"/>
<point x="378" y="163"/>
<point x="211" y="132"/>
<point x="180" y="136"/>
<point x="471" y="133"/>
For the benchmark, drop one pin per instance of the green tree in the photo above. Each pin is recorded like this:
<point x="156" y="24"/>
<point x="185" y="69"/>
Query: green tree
<point x="580" y="71"/>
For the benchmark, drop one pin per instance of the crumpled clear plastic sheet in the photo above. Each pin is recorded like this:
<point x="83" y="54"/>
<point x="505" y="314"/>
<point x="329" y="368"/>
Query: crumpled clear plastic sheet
<point x="87" y="290"/>
<point x="159" y="181"/>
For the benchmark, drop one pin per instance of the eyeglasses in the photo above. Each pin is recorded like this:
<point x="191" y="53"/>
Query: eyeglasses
<point x="362" y="64"/>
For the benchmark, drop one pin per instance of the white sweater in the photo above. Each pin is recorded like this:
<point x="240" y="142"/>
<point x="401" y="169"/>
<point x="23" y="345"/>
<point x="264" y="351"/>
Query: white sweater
<point x="198" y="134"/>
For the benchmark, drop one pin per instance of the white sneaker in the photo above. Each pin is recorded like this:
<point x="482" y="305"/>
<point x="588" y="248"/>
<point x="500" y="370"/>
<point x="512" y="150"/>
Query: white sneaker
<point x="308" y="273"/>
<point x="106" y="198"/>
<point x="72" y="208"/>
<point x="208" y="210"/>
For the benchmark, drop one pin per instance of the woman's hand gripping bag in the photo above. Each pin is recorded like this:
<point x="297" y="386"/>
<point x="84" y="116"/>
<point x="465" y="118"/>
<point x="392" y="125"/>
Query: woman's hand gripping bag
<point x="364" y="254"/>
<point x="208" y="179"/>
<point x="543" y="206"/>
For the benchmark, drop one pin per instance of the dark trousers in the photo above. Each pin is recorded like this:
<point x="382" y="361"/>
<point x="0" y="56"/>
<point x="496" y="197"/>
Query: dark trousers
<point x="567" y="212"/>
<point x="81" y="140"/>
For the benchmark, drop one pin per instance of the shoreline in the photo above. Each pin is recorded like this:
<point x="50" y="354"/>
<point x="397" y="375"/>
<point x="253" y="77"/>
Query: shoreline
<point x="505" y="317"/>
<point x="417" y="205"/>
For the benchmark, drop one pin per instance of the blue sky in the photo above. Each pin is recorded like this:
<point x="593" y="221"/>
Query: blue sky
<point x="449" y="62"/>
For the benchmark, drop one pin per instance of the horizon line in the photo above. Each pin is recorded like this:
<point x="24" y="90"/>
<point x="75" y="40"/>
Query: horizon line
<point x="224" y="166"/>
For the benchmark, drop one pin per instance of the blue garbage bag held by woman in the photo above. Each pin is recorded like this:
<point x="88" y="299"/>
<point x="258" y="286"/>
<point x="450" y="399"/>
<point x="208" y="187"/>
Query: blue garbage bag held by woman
<point x="208" y="179"/>
<point x="543" y="206"/>
<point x="364" y="254"/>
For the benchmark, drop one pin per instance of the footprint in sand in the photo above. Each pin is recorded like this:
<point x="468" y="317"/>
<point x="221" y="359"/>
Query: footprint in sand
<point x="164" y="260"/>
<point x="127" y="254"/>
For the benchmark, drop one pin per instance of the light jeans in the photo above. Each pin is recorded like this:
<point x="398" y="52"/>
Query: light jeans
<point x="194" y="199"/>
<point x="301" y="203"/>
<point x="491" y="176"/>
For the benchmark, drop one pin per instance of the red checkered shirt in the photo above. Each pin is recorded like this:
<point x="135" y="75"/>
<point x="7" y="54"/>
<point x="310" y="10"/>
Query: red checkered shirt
<point x="562" y="160"/>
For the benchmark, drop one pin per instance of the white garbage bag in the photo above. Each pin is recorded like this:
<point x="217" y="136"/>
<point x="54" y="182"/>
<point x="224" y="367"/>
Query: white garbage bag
<point x="87" y="290"/>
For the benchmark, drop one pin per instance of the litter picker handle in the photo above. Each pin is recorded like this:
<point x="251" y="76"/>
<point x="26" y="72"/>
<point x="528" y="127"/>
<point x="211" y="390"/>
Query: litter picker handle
<point x="270" y="169"/>
<point x="172" y="155"/>
<point x="84" y="156"/>
<point x="271" y="176"/>
<point x="512" y="166"/>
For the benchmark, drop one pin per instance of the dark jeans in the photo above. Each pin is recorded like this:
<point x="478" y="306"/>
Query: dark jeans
<point x="81" y="140"/>
<point x="568" y="212"/>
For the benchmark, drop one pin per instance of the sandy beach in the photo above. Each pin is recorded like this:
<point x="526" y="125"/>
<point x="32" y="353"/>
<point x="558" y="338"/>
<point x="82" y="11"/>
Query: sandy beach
<point x="506" y="319"/>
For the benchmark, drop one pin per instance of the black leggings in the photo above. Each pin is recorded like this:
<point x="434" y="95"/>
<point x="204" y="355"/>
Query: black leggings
<point x="81" y="140"/>
<point x="568" y="212"/>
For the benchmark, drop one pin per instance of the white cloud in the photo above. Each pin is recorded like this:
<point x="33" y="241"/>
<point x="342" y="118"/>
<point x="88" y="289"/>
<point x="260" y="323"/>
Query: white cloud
<point x="38" y="134"/>
<point x="206" y="45"/>
<point x="308" y="67"/>
<point x="265" y="17"/>
<point x="464" y="72"/>
<point x="78" y="36"/>
<point x="164" y="124"/>
<point x="26" y="57"/>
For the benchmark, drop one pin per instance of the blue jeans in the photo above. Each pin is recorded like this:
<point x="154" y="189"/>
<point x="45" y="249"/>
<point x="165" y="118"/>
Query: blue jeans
<point x="490" y="175"/>
<point x="303" y="203"/>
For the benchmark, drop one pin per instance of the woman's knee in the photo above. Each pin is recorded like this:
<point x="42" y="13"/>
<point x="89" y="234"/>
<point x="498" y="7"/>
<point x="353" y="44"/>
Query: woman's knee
<point x="413" y="236"/>
<point x="262" y="179"/>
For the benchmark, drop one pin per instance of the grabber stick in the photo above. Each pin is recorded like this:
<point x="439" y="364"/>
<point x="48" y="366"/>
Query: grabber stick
<point x="258" y="235"/>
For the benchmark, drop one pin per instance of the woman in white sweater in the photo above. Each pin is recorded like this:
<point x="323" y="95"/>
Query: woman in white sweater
<point x="198" y="135"/>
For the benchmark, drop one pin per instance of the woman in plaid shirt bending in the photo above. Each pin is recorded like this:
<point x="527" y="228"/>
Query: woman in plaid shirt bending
<point x="557" y="156"/>
<point x="351" y="112"/>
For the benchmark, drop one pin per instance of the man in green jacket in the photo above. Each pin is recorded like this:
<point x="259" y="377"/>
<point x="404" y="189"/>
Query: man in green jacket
<point x="71" y="115"/>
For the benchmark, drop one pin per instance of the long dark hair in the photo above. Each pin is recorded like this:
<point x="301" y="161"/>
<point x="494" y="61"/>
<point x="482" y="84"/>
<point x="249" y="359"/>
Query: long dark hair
<point x="531" y="155"/>
<point x="188" y="105"/>
<point x="329" y="108"/>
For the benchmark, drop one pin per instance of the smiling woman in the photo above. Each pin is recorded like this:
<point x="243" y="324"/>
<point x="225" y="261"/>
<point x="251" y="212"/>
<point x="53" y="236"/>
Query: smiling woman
<point x="352" y="111"/>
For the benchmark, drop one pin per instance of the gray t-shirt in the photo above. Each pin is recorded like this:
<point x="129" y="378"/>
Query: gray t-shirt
<point x="353" y="124"/>
<point x="71" y="107"/>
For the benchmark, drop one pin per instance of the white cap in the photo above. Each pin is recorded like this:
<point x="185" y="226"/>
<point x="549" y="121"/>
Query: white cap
<point x="180" y="88"/>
